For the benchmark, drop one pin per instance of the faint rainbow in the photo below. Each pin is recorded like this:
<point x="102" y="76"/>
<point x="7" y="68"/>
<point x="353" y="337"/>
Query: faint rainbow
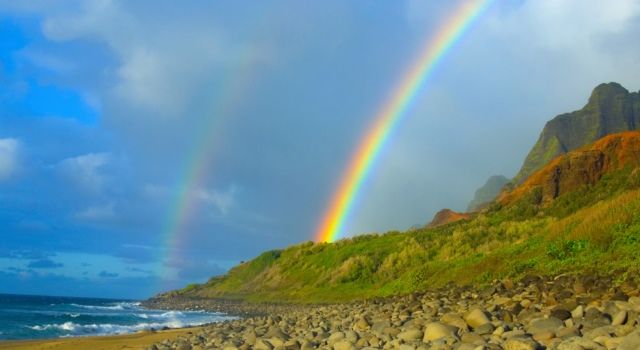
<point x="390" y="113"/>
<point x="200" y="159"/>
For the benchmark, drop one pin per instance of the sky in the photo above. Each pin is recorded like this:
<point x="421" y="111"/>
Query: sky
<point x="149" y="144"/>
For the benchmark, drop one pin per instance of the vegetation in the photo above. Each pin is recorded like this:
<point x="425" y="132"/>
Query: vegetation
<point x="591" y="225"/>
<point x="600" y="238"/>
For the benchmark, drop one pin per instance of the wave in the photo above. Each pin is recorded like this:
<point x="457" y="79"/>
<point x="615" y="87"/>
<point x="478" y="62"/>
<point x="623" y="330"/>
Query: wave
<point x="164" y="315"/>
<point x="114" y="306"/>
<point x="75" y="329"/>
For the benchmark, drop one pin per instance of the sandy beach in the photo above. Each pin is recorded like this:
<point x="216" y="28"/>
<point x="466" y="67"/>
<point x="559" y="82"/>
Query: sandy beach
<point x="140" y="340"/>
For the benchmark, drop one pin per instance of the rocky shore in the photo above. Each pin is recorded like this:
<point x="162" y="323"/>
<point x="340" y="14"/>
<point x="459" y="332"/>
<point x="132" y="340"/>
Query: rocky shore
<point x="563" y="313"/>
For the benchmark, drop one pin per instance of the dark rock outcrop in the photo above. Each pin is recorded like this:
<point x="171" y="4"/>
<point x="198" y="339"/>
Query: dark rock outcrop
<point x="447" y="216"/>
<point x="584" y="166"/>
<point x="610" y="109"/>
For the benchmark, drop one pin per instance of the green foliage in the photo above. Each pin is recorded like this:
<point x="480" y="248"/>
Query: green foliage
<point x="563" y="250"/>
<point x="602" y="235"/>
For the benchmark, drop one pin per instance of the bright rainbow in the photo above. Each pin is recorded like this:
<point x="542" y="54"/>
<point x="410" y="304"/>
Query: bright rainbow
<point x="391" y="112"/>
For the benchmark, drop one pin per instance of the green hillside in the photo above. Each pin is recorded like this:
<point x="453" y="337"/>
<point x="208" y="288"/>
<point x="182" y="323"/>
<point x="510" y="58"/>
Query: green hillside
<point x="593" y="228"/>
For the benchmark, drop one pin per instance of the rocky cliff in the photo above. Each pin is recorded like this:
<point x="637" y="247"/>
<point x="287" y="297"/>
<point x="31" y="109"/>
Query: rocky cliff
<point x="582" y="167"/>
<point x="447" y="216"/>
<point x="610" y="109"/>
<point x="488" y="192"/>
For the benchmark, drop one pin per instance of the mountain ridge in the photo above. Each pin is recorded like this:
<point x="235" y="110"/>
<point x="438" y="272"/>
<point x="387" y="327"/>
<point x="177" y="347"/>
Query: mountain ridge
<point x="611" y="108"/>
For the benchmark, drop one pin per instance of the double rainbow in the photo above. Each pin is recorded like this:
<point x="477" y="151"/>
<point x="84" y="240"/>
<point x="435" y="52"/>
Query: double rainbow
<point x="392" y="110"/>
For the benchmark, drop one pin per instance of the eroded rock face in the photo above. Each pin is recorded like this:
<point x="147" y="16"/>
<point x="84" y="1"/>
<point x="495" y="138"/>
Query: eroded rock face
<point x="535" y="313"/>
<point x="582" y="167"/>
<point x="610" y="109"/>
<point x="447" y="216"/>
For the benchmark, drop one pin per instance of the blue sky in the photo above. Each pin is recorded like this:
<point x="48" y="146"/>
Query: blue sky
<point x="102" y="104"/>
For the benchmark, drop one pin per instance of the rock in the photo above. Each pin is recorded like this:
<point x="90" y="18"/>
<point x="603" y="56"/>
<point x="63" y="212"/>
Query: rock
<point x="343" y="345"/>
<point x="561" y="314"/>
<point x="183" y="346"/>
<point x="619" y="319"/>
<point x="521" y="344"/>
<point x="630" y="342"/>
<point x="578" y="312"/>
<point x="351" y="336"/>
<point x="577" y="343"/>
<point x="334" y="338"/>
<point x="541" y="325"/>
<point x="452" y="319"/>
<point x="437" y="330"/>
<point x="567" y="332"/>
<point x="292" y="345"/>
<point x="361" y="325"/>
<point x="476" y="318"/>
<point x="276" y="342"/>
<point x="411" y="334"/>
<point x="472" y="338"/>
<point x="262" y="345"/>
<point x="544" y="336"/>
<point x="486" y="328"/>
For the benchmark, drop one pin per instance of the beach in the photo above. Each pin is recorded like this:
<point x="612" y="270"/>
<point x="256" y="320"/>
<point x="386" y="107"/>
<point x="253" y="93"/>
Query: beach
<point x="140" y="340"/>
<point x="561" y="313"/>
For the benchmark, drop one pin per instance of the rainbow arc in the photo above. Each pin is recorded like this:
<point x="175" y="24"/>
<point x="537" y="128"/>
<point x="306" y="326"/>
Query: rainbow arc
<point x="390" y="113"/>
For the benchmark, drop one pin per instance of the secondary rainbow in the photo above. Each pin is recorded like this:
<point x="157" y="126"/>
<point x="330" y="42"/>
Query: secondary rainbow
<point x="390" y="113"/>
<point x="200" y="158"/>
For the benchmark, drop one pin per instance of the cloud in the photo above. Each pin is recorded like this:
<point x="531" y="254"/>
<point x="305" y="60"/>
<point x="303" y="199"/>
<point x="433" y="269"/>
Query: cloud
<point x="24" y="254"/>
<point x="8" y="157"/>
<point x="105" y="274"/>
<point x="44" y="264"/>
<point x="104" y="212"/>
<point x="136" y="254"/>
<point x="151" y="72"/>
<point x="222" y="201"/>
<point x="86" y="171"/>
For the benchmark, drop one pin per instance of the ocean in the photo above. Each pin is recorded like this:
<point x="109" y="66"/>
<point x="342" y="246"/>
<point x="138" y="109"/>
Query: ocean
<point x="37" y="317"/>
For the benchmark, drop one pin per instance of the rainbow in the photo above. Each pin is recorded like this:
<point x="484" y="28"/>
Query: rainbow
<point x="199" y="160"/>
<point x="389" y="115"/>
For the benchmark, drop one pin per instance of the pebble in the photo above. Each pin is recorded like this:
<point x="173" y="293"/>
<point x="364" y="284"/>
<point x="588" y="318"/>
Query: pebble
<point x="529" y="315"/>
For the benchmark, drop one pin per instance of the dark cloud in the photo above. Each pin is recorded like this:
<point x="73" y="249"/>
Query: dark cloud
<point x="44" y="264"/>
<point x="105" y="274"/>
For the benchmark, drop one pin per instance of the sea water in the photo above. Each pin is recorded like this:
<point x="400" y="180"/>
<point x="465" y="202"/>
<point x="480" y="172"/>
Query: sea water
<point x="36" y="317"/>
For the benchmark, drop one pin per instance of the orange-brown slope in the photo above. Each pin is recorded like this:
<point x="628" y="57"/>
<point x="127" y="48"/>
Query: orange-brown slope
<point x="584" y="166"/>
<point x="447" y="216"/>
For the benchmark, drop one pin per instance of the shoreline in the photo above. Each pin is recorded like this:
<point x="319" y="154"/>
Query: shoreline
<point x="537" y="313"/>
<point x="139" y="340"/>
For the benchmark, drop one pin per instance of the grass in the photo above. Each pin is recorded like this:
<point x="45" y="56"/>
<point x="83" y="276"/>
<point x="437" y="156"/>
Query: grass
<point x="595" y="230"/>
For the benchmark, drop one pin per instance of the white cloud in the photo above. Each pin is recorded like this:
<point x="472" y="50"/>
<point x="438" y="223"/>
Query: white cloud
<point x="8" y="157"/>
<point x="222" y="201"/>
<point x="163" y="63"/>
<point x="97" y="213"/>
<point x="86" y="171"/>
